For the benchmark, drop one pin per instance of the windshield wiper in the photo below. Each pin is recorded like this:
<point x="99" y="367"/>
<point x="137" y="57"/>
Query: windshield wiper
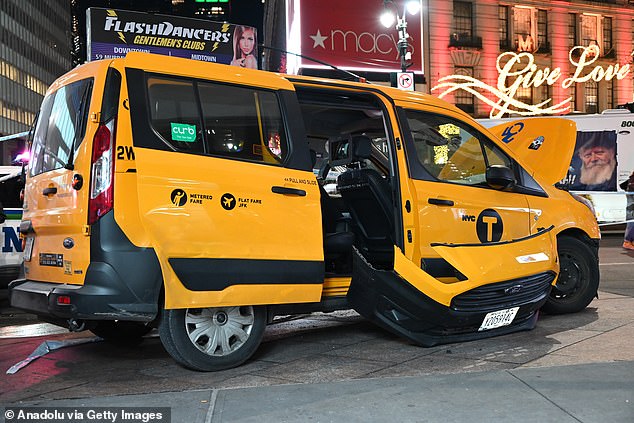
<point x="79" y="127"/>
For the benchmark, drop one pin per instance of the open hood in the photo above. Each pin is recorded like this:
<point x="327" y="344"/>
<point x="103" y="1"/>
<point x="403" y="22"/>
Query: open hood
<point x="544" y="145"/>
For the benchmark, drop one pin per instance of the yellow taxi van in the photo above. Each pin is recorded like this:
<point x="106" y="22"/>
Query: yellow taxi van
<point x="191" y="197"/>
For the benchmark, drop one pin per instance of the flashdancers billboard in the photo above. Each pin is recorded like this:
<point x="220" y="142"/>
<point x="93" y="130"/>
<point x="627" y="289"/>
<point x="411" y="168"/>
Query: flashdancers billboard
<point x="113" y="33"/>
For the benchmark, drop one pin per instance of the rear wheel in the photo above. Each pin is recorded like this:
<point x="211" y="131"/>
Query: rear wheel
<point x="578" y="279"/>
<point x="120" y="332"/>
<point x="211" y="339"/>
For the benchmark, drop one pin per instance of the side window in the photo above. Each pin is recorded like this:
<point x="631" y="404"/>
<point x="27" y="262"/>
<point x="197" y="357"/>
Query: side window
<point x="275" y="143"/>
<point x="60" y="126"/>
<point x="243" y="123"/>
<point x="174" y="113"/>
<point x="495" y="156"/>
<point x="452" y="151"/>
<point x="217" y="119"/>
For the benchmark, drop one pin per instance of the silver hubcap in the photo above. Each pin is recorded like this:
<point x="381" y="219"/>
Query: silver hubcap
<point x="219" y="331"/>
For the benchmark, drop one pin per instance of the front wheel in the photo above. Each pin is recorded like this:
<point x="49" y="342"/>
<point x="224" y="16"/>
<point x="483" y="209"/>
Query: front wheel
<point x="578" y="279"/>
<point x="211" y="339"/>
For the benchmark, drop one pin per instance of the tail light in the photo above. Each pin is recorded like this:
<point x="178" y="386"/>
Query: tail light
<point x="102" y="172"/>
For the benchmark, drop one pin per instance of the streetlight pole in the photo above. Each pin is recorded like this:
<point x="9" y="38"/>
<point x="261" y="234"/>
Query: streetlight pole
<point x="387" y="19"/>
<point x="403" y="44"/>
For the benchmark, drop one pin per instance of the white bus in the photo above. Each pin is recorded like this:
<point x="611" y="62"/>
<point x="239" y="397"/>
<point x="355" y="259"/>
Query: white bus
<point x="11" y="183"/>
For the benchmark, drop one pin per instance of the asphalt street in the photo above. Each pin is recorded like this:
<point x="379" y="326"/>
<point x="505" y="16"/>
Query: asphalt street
<point x="338" y="367"/>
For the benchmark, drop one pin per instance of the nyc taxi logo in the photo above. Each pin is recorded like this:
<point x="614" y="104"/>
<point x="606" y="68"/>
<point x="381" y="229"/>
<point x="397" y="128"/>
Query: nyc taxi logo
<point x="489" y="225"/>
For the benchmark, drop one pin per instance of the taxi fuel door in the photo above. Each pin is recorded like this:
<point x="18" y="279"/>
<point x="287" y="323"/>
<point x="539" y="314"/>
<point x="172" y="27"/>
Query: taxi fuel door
<point x="545" y="145"/>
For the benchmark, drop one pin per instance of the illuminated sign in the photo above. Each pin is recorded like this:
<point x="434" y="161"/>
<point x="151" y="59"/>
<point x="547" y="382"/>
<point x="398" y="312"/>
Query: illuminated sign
<point x="525" y="44"/>
<point x="349" y="35"/>
<point x="518" y="70"/>
<point x="113" y="33"/>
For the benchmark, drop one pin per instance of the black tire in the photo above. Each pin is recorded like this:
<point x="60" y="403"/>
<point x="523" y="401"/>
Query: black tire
<point x="187" y="335"/>
<point x="578" y="279"/>
<point x="121" y="332"/>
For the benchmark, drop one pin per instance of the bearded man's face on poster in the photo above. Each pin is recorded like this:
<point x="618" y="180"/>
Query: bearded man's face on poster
<point x="598" y="164"/>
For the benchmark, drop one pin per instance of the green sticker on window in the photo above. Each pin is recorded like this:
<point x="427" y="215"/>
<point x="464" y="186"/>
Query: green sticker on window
<point x="183" y="132"/>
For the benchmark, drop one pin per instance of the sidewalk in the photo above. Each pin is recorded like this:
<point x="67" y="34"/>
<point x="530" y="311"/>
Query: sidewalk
<point x="600" y="393"/>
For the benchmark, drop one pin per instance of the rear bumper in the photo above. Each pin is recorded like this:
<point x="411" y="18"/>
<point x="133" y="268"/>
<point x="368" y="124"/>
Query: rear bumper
<point x="122" y="282"/>
<point x="82" y="302"/>
<point x="384" y="298"/>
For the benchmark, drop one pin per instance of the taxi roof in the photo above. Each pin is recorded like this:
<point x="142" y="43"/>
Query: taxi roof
<point x="394" y="93"/>
<point x="198" y="69"/>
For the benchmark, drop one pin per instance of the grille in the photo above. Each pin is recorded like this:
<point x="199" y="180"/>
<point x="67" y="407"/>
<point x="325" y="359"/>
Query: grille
<point x="496" y="296"/>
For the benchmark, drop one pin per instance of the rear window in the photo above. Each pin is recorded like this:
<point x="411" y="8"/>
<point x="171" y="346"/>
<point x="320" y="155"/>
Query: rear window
<point x="61" y="124"/>
<point x="216" y="119"/>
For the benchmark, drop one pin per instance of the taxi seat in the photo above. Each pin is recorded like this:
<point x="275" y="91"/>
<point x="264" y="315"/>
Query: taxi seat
<point x="368" y="196"/>
<point x="338" y="239"/>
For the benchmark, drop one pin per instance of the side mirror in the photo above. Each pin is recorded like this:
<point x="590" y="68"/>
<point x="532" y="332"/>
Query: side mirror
<point x="499" y="177"/>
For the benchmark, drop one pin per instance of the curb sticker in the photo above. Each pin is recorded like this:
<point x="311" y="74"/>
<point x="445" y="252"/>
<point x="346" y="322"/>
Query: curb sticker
<point x="183" y="132"/>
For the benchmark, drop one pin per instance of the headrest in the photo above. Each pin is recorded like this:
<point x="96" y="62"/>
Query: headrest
<point x="361" y="147"/>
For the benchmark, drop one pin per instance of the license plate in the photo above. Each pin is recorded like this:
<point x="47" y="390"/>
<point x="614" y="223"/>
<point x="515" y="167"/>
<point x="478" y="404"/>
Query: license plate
<point x="28" y="248"/>
<point x="497" y="319"/>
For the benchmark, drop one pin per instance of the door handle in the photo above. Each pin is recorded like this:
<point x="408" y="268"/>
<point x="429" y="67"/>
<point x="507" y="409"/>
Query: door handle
<point x="49" y="191"/>
<point x="288" y="191"/>
<point x="440" y="202"/>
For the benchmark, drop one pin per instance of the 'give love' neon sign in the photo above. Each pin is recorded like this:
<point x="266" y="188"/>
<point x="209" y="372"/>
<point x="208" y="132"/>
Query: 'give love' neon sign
<point x="518" y="70"/>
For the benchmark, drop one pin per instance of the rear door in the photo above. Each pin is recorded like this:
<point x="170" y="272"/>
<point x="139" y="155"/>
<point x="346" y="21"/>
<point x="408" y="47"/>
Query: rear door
<point x="226" y="189"/>
<point x="55" y="218"/>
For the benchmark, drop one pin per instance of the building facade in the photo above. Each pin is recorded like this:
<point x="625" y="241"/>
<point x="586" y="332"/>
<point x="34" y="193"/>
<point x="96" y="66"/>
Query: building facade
<point x="491" y="58"/>
<point x="34" y="51"/>
<point x="561" y="56"/>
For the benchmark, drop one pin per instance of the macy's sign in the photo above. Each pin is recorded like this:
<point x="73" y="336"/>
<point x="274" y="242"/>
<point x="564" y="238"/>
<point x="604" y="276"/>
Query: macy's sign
<point x="357" y="42"/>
